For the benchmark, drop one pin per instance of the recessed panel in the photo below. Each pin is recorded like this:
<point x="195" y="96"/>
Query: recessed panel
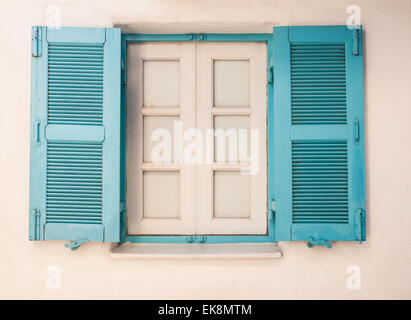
<point x="231" y="195"/>
<point x="161" y="83"/>
<point x="161" y="194"/>
<point x="158" y="138"/>
<point x="232" y="139"/>
<point x="231" y="83"/>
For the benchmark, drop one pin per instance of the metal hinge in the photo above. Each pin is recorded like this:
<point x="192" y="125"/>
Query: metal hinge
<point x="123" y="72"/>
<point x="270" y="71"/>
<point x="34" y="224"/>
<point x="356" y="41"/>
<point x="36" y="38"/>
<point x="197" y="37"/>
<point x="36" y="134"/>
<point x="356" y="131"/>
<point x="123" y="206"/>
<point x="194" y="239"/>
<point x="359" y="225"/>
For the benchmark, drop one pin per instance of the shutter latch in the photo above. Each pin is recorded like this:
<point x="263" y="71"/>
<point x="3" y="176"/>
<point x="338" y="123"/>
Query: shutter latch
<point x="36" y="41"/>
<point x="74" y="245"/>
<point x="270" y="71"/>
<point x="271" y="205"/>
<point x="271" y="209"/>
<point x="318" y="242"/>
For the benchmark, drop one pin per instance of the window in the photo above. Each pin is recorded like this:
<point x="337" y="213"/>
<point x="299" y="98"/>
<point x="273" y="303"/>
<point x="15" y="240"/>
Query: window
<point x="192" y="186"/>
<point x="101" y="170"/>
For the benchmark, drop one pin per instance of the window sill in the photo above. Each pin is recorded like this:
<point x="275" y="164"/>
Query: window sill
<point x="196" y="251"/>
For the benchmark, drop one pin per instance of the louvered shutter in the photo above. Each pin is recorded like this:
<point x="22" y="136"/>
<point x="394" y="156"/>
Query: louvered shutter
<point x="319" y="174"/>
<point x="75" y="134"/>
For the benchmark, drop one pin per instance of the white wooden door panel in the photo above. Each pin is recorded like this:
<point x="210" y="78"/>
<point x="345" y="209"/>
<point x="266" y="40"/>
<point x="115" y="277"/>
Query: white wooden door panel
<point x="160" y="190"/>
<point x="231" y="95"/>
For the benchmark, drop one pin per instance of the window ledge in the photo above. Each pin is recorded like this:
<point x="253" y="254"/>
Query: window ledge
<point x="196" y="251"/>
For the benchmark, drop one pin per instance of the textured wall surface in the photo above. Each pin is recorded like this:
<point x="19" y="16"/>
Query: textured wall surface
<point x="316" y="273"/>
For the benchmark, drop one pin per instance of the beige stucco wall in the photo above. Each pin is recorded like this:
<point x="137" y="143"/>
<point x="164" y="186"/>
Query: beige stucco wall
<point x="384" y="261"/>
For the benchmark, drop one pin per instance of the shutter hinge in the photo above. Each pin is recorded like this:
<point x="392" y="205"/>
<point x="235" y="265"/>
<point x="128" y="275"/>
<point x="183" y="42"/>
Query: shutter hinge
<point x="123" y="65"/>
<point x="74" y="245"/>
<point x="356" y="41"/>
<point x="34" y="224"/>
<point x="36" y="138"/>
<point x="359" y="225"/>
<point x="270" y="71"/>
<point x="123" y="206"/>
<point x="356" y="131"/>
<point x="36" y="38"/>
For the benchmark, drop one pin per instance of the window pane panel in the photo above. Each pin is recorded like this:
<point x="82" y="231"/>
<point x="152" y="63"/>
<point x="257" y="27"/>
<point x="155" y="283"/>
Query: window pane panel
<point x="161" y="194"/>
<point x="231" y="195"/>
<point x="231" y="83"/>
<point x="231" y="144"/>
<point x="158" y="138"/>
<point x="161" y="83"/>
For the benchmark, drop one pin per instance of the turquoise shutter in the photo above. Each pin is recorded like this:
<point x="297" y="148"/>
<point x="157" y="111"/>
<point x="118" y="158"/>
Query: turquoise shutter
<point x="75" y="134"/>
<point x="319" y="174"/>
